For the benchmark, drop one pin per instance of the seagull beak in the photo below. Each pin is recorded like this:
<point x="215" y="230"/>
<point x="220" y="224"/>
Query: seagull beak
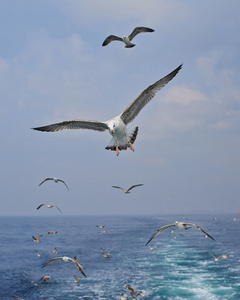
<point x="112" y="131"/>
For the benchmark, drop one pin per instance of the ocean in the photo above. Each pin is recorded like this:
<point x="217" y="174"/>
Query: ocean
<point x="177" y="268"/>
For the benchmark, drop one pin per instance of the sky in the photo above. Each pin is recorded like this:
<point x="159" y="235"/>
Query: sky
<point x="53" y="68"/>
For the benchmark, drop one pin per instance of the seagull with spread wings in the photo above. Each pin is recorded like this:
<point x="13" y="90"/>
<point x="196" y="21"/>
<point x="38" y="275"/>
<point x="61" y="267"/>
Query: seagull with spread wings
<point x="54" y="179"/>
<point x="49" y="206"/>
<point x="216" y="259"/>
<point x="37" y="240"/>
<point x="127" y="39"/>
<point x="128" y="190"/>
<point x="179" y="225"/>
<point x="66" y="259"/>
<point x="117" y="127"/>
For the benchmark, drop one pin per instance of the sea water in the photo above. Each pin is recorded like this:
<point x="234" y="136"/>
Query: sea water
<point x="177" y="268"/>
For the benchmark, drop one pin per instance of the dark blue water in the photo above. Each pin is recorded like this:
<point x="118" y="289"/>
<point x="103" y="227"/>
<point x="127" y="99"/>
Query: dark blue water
<point x="178" y="269"/>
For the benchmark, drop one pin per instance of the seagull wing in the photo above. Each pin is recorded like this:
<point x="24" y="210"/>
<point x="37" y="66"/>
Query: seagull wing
<point x="133" y="186"/>
<point x="111" y="38"/>
<point x="52" y="260"/>
<point x="160" y="230"/>
<point x="74" y="124"/>
<point x="64" y="183"/>
<point x="211" y="254"/>
<point x="45" y="180"/>
<point x="223" y="256"/>
<point x="40" y="206"/>
<point x="137" y="105"/>
<point x="80" y="268"/>
<point x="118" y="187"/>
<point x="17" y="297"/>
<point x="138" y="30"/>
<point x="57" y="208"/>
<point x="200" y="229"/>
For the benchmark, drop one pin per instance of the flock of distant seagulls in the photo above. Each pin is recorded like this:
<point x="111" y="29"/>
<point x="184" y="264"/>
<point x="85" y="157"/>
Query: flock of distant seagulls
<point x="121" y="140"/>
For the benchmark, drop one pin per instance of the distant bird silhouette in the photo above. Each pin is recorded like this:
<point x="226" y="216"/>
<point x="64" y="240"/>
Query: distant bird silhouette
<point x="106" y="254"/>
<point x="52" y="232"/>
<point x="133" y="292"/>
<point x="100" y="226"/>
<point x="49" y="206"/>
<point x="45" y="278"/>
<point x="55" y="180"/>
<point x="38" y="254"/>
<point x="66" y="259"/>
<point x="179" y="225"/>
<point x="103" y="231"/>
<point x="37" y="240"/>
<point x="76" y="279"/>
<point x="127" y="191"/>
<point x="152" y="248"/>
<point x="127" y="39"/>
<point x="216" y="259"/>
<point x="55" y="251"/>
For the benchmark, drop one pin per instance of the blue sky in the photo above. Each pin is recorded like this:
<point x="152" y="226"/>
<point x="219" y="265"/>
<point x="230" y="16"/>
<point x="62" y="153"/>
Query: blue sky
<point x="53" y="68"/>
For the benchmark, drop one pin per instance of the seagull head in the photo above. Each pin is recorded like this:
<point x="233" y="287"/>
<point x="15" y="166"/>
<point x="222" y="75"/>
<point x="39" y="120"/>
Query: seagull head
<point x="111" y="127"/>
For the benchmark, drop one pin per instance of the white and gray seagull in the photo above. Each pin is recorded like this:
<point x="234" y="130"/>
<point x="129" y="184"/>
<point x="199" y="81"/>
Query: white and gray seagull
<point x="128" y="190"/>
<point x="66" y="259"/>
<point x="127" y="39"/>
<point x="216" y="259"/>
<point x="49" y="206"/>
<point x="179" y="225"/>
<point x="54" y="179"/>
<point x="121" y="137"/>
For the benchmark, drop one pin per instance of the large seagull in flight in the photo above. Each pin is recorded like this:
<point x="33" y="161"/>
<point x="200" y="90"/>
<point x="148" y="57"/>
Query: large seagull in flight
<point x="117" y="127"/>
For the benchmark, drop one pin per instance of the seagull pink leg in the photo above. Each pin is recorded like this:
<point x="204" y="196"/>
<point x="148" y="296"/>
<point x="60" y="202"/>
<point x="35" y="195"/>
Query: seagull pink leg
<point x="117" y="150"/>
<point x="131" y="146"/>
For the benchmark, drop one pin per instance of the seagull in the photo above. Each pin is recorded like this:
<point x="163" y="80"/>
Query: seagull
<point x="100" y="226"/>
<point x="216" y="259"/>
<point x="122" y="138"/>
<point x="76" y="279"/>
<point x="152" y="248"/>
<point x="179" y="225"/>
<point x="66" y="259"/>
<point x="127" y="39"/>
<point x="123" y="297"/>
<point x="45" y="278"/>
<point x="52" y="232"/>
<point x="49" y="206"/>
<point x="38" y="254"/>
<point x="106" y="254"/>
<point x="54" y="179"/>
<point x="55" y="251"/>
<point x="37" y="240"/>
<point x="126" y="191"/>
<point x="133" y="291"/>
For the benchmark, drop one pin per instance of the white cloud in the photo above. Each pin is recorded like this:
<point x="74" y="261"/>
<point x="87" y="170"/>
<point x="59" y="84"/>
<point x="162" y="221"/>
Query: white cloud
<point x="149" y="12"/>
<point x="183" y="95"/>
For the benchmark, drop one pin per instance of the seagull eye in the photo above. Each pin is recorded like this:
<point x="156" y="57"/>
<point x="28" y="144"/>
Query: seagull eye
<point x="113" y="125"/>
